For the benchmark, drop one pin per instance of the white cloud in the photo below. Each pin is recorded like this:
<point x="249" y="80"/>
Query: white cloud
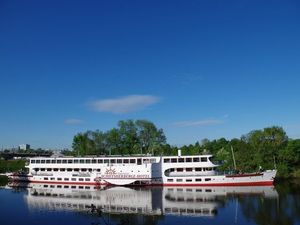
<point x="73" y="121"/>
<point x="124" y="104"/>
<point x="191" y="123"/>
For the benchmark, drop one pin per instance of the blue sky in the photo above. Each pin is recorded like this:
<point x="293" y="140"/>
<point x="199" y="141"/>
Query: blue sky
<point x="197" y="69"/>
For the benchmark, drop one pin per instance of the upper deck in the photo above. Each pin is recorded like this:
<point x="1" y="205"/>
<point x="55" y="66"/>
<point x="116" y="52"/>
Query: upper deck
<point x="118" y="160"/>
<point x="111" y="160"/>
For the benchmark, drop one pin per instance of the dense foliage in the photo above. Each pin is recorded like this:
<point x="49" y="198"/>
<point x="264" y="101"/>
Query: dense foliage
<point x="11" y="165"/>
<point x="3" y="180"/>
<point x="266" y="148"/>
<point x="130" y="137"/>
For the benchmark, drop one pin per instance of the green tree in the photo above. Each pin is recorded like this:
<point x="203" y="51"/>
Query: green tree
<point x="128" y="137"/>
<point x="131" y="137"/>
<point x="150" y="138"/>
<point x="289" y="158"/>
<point x="100" y="142"/>
<point x="83" y="144"/>
<point x="114" y="141"/>
<point x="266" y="144"/>
<point x="79" y="144"/>
<point x="244" y="155"/>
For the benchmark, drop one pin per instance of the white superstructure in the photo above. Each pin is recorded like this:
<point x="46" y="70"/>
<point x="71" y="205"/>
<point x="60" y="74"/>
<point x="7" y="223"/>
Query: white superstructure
<point x="196" y="170"/>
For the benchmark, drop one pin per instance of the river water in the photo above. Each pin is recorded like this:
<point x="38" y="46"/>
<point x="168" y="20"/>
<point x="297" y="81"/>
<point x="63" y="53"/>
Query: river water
<point x="93" y="205"/>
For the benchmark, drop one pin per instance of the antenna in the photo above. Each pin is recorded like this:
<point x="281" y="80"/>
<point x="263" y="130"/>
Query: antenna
<point x="233" y="157"/>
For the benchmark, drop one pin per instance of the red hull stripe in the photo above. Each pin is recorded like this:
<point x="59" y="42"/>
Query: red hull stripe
<point x="259" y="183"/>
<point x="246" y="175"/>
<point x="63" y="182"/>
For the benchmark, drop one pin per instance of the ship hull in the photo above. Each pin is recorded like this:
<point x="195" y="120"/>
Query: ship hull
<point x="265" y="178"/>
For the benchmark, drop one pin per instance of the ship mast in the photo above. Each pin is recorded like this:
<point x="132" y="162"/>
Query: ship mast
<point x="233" y="158"/>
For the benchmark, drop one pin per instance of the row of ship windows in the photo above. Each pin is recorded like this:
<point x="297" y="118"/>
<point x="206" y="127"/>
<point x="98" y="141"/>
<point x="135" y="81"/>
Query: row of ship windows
<point x="82" y="206"/>
<point x="189" y="211"/>
<point x="183" y="160"/>
<point x="68" y="170"/>
<point x="66" y="179"/>
<point x="189" y="190"/>
<point x="94" y="161"/>
<point x="66" y="186"/>
<point x="197" y="169"/>
<point x="189" y="180"/>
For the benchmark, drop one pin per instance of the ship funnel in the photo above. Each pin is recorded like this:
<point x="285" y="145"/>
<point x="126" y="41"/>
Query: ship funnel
<point x="179" y="152"/>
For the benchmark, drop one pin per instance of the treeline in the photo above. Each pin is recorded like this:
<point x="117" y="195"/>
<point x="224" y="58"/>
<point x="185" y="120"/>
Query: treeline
<point x="130" y="137"/>
<point x="11" y="165"/>
<point x="266" y="148"/>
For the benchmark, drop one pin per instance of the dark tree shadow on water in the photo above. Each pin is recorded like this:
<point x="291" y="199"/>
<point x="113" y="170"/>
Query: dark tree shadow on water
<point x="283" y="210"/>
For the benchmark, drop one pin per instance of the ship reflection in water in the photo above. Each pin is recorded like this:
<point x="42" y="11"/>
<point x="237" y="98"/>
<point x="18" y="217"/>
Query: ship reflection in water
<point x="195" y="201"/>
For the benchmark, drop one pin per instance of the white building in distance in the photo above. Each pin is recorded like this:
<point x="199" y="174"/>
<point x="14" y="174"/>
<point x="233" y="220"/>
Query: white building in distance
<point x="24" y="147"/>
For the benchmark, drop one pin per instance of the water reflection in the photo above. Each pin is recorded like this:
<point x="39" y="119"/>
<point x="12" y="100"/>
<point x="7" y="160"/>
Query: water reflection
<point x="123" y="205"/>
<point x="285" y="209"/>
<point x="115" y="200"/>
<point x="191" y="201"/>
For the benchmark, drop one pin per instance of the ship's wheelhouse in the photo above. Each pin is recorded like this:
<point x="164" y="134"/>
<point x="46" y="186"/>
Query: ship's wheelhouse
<point x="183" y="166"/>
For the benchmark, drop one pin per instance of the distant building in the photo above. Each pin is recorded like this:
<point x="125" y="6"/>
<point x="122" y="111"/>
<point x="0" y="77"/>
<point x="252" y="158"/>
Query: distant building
<point x="56" y="154"/>
<point x="24" y="147"/>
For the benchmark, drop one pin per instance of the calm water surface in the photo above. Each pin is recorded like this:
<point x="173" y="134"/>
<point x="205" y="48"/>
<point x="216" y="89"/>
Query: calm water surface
<point x="91" y="205"/>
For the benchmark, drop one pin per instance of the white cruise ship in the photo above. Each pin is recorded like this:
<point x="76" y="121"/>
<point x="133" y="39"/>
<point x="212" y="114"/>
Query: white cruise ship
<point x="193" y="170"/>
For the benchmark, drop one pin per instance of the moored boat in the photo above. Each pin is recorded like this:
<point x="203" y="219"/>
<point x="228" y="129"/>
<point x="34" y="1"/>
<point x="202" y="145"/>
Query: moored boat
<point x="193" y="170"/>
